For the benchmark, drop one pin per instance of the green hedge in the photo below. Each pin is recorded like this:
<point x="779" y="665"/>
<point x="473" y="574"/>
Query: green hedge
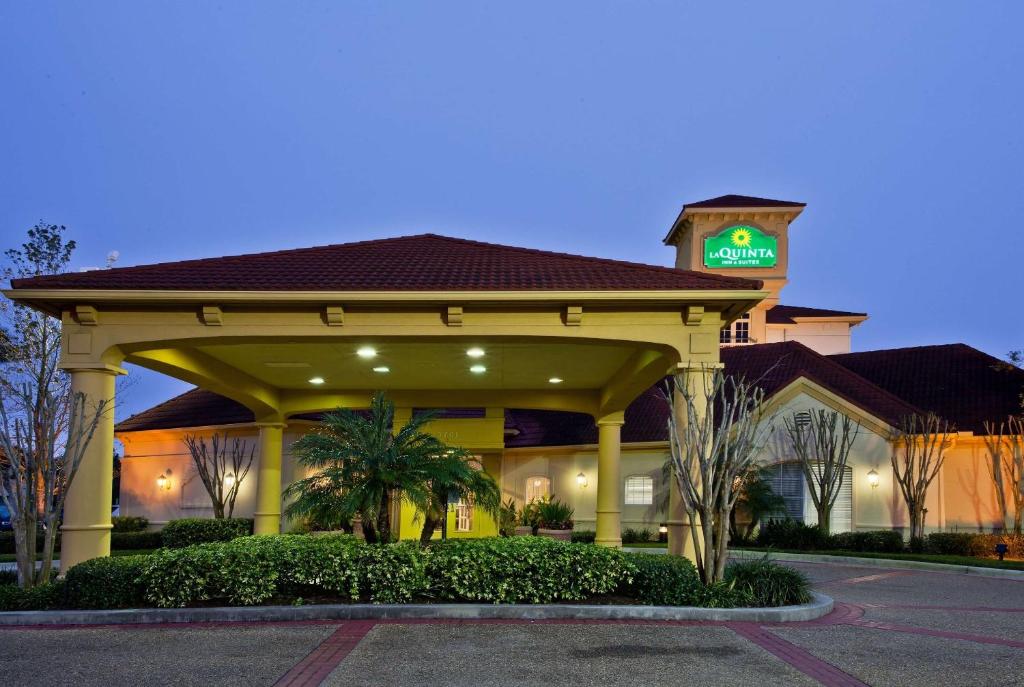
<point x="105" y="583"/>
<point x="583" y="536"/>
<point x="790" y="534"/>
<point x="188" y="531"/>
<point x="330" y="568"/>
<point x="129" y="523"/>
<point x="662" y="580"/>
<point x="977" y="545"/>
<point x="131" y="541"/>
<point x="7" y="542"/>
<point x="524" y="570"/>
<point x="875" y="541"/>
<point x="41" y="598"/>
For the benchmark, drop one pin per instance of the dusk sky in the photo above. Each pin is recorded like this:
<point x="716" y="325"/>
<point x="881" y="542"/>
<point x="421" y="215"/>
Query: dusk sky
<point x="180" y="130"/>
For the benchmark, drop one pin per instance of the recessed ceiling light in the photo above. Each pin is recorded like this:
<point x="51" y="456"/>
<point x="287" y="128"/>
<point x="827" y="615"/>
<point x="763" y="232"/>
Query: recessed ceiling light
<point x="316" y="380"/>
<point x="382" y="369"/>
<point x="367" y="352"/>
<point x="475" y="352"/>
<point x="478" y="369"/>
<point x="555" y="380"/>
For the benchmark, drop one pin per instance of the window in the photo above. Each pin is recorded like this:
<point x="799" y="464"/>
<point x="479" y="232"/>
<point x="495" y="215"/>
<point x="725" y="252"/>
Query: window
<point x="537" y="487"/>
<point x="787" y="480"/>
<point x="639" y="490"/>
<point x="464" y="516"/>
<point x="738" y="333"/>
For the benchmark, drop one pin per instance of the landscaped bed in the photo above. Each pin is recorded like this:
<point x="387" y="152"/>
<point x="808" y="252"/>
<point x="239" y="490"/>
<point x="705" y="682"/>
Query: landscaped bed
<point x="303" y="569"/>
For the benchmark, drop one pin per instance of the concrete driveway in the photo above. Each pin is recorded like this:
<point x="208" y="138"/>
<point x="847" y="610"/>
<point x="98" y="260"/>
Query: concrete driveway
<point x="890" y="627"/>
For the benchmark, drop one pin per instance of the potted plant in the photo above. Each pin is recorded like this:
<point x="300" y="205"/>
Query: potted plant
<point x="528" y="520"/>
<point x="508" y="519"/>
<point x="554" y="519"/>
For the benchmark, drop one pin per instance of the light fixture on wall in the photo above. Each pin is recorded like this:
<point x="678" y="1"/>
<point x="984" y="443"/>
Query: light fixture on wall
<point x="873" y="478"/>
<point x="229" y="480"/>
<point x="581" y="481"/>
<point x="163" y="482"/>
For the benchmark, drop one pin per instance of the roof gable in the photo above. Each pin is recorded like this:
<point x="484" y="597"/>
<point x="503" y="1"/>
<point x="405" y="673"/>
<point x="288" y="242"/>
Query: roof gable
<point x="784" y="314"/>
<point x="955" y="381"/>
<point x="426" y="262"/>
<point x="733" y="200"/>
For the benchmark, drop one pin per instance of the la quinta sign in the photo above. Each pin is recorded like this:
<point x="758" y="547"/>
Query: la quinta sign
<point x="740" y="246"/>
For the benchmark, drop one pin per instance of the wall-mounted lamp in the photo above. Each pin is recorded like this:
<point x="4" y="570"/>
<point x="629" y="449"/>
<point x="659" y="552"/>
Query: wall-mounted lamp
<point x="581" y="481"/>
<point x="873" y="478"/>
<point x="229" y="480"/>
<point x="163" y="482"/>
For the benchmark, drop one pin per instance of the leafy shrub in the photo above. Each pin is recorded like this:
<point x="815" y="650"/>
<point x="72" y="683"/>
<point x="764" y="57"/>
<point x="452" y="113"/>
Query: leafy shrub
<point x="552" y="514"/>
<point x="663" y="580"/>
<point x="106" y="583"/>
<point x="790" y="534"/>
<point x="877" y="541"/>
<point x="524" y="570"/>
<point x="584" y="536"/>
<point x="634" y="536"/>
<point x="188" y="531"/>
<point x="43" y="597"/>
<point x="507" y="518"/>
<point x="129" y="523"/>
<point x="131" y="541"/>
<point x="393" y="574"/>
<point x="973" y="544"/>
<point x="766" y="583"/>
<point x="252" y="570"/>
<point x="8" y="576"/>
<point x="7" y="542"/>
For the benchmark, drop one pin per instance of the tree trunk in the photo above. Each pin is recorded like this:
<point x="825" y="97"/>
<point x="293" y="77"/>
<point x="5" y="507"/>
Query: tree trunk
<point x="825" y="519"/>
<point x="430" y="523"/>
<point x="384" y="519"/>
<point x="369" y="531"/>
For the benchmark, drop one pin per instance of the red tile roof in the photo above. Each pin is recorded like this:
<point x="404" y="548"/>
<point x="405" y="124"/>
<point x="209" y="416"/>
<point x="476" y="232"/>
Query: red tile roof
<point x="735" y="201"/>
<point x="775" y="366"/>
<point x="958" y="382"/>
<point x="426" y="262"/>
<point x="784" y="314"/>
<point x="955" y="381"/>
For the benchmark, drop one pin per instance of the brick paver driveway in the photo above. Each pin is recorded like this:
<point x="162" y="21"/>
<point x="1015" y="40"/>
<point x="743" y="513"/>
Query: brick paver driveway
<point x="890" y="627"/>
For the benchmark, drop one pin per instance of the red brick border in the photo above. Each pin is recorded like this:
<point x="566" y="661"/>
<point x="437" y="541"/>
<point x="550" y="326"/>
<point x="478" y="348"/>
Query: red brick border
<point x="808" y="664"/>
<point x="318" y="664"/>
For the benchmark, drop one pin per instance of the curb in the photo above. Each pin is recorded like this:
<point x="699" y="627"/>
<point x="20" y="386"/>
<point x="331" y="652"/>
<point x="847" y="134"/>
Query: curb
<point x="746" y="554"/>
<point x="820" y="605"/>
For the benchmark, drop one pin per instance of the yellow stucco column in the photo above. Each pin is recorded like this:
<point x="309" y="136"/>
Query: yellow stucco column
<point x="268" y="480"/>
<point x="85" y="533"/>
<point x="609" y="480"/>
<point x="680" y="540"/>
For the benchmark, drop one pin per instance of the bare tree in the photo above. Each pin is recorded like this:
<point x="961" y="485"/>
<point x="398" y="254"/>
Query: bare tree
<point x="1005" y="444"/>
<point x="919" y="448"/>
<point x="822" y="443"/>
<point x="44" y="428"/>
<point x="715" y="433"/>
<point x="222" y="466"/>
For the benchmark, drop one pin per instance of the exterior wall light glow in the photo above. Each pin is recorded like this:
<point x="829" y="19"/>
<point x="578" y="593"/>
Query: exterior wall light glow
<point x="555" y="380"/>
<point x="663" y="528"/>
<point x="367" y="352"/>
<point x="873" y="478"/>
<point x="475" y="352"/>
<point x="316" y="380"/>
<point x="229" y="480"/>
<point x="581" y="481"/>
<point x="163" y="482"/>
<point x="383" y="369"/>
<point x="478" y="369"/>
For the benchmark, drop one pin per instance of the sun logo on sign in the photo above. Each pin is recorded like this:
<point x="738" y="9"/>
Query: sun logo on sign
<point x="741" y="238"/>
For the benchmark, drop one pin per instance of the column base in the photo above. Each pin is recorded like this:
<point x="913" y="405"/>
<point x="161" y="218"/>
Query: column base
<point x="266" y="523"/>
<point x="79" y="544"/>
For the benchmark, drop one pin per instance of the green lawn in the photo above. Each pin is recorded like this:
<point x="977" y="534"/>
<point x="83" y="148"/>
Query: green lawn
<point x="923" y="557"/>
<point x="10" y="558"/>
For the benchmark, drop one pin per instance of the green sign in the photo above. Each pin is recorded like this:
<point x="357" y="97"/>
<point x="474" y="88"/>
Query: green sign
<point x="740" y="246"/>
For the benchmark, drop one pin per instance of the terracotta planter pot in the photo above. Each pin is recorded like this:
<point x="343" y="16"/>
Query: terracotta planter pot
<point x="560" y="535"/>
<point x="524" y="531"/>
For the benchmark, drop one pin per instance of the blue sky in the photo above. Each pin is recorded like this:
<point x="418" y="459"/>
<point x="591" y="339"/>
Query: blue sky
<point x="178" y="130"/>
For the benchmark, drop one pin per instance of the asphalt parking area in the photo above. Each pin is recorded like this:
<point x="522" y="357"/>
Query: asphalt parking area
<point x="890" y="627"/>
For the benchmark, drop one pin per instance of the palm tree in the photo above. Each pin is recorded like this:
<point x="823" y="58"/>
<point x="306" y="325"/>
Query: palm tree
<point x="461" y="479"/>
<point x="361" y="465"/>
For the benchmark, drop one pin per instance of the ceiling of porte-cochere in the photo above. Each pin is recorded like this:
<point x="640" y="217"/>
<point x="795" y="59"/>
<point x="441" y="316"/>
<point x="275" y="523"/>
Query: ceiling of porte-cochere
<point x="426" y="365"/>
